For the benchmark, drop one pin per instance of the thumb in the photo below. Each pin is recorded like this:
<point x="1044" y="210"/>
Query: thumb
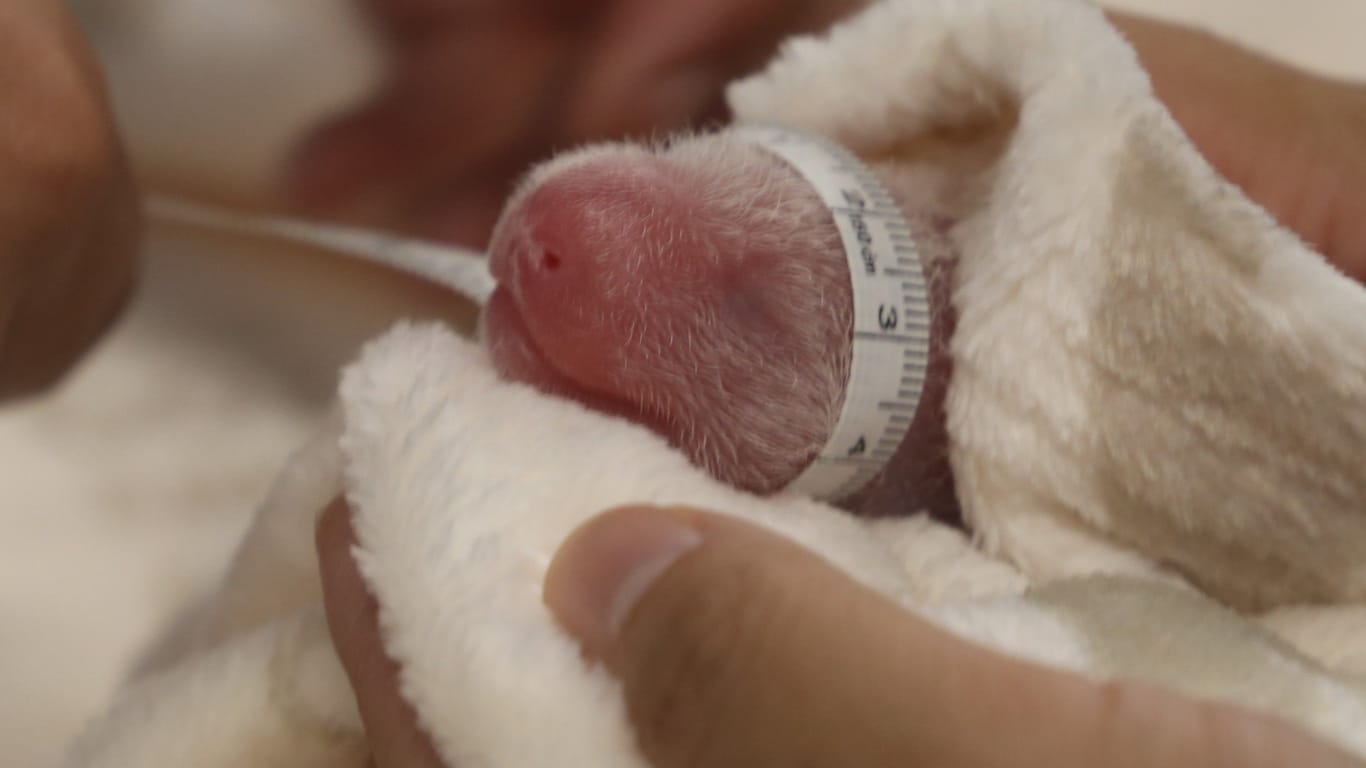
<point x="736" y="647"/>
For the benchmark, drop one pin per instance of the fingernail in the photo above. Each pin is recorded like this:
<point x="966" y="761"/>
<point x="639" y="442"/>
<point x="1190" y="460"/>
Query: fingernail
<point x="605" y="567"/>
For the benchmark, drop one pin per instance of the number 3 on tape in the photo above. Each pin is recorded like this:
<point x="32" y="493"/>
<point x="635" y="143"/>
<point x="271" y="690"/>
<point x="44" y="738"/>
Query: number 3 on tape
<point x="890" y="349"/>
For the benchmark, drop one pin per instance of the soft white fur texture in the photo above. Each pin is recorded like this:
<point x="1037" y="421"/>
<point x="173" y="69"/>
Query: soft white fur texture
<point x="1148" y="371"/>
<point x="1145" y="362"/>
<point x="454" y="537"/>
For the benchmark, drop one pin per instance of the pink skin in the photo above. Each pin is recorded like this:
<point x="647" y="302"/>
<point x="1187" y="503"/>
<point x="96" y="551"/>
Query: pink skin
<point x="700" y="289"/>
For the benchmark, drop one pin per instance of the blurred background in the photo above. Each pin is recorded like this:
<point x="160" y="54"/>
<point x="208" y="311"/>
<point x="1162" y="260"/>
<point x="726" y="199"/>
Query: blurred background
<point x="123" y="493"/>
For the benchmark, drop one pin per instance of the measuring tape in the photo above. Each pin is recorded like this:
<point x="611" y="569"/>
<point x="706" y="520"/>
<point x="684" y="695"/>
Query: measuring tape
<point x="891" y="306"/>
<point x="891" y="341"/>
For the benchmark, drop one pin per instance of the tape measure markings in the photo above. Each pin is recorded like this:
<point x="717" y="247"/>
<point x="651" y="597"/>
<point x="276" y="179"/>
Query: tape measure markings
<point x="891" y="332"/>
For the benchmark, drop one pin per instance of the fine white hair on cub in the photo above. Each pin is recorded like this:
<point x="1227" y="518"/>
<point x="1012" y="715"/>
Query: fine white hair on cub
<point x="748" y="368"/>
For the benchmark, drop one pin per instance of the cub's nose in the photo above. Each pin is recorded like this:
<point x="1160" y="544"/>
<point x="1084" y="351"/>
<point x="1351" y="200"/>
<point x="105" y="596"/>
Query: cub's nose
<point x="588" y="239"/>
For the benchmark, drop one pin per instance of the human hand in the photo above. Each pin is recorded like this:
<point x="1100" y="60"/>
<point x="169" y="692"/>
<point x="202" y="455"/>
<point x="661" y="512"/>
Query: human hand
<point x="68" y="214"/>
<point x="736" y="647"/>
<point x="478" y="90"/>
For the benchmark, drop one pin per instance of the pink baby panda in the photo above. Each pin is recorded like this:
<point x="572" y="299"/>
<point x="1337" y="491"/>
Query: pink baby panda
<point x="700" y="287"/>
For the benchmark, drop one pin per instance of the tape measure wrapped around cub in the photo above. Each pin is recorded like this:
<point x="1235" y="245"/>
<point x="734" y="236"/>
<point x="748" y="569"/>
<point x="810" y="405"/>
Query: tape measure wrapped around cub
<point x="891" y="334"/>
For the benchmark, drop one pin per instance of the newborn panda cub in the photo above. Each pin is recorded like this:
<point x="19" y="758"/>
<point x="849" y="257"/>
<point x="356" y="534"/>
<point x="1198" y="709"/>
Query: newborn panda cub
<point x="700" y="288"/>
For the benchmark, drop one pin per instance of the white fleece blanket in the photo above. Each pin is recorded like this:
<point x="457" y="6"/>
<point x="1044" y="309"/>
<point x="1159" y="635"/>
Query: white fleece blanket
<point x="1155" y="386"/>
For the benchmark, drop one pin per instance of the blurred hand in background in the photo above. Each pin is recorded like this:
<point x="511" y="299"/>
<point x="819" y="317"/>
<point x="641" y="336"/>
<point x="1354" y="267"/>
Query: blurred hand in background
<point x="69" y="217"/>
<point x="478" y="90"/>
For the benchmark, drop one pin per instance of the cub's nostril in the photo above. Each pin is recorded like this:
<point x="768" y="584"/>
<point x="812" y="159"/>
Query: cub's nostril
<point x="550" y="261"/>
